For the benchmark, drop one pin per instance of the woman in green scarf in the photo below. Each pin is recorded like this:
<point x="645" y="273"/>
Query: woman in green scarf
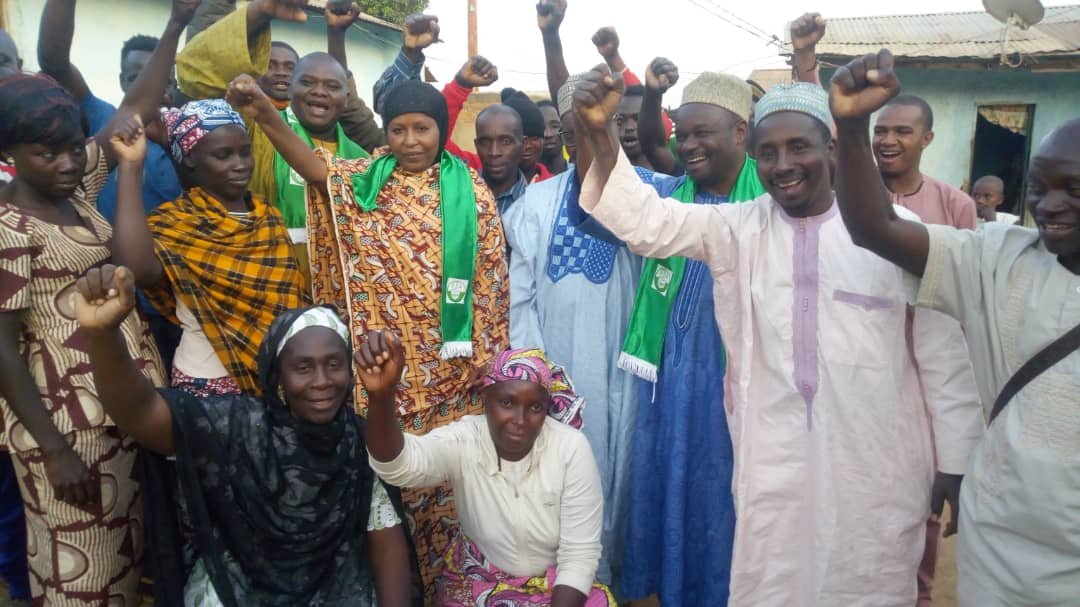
<point x="412" y="241"/>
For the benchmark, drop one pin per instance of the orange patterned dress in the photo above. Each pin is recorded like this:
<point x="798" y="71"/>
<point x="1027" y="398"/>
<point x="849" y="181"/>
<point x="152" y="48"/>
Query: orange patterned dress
<point x="77" y="555"/>
<point x="384" y="268"/>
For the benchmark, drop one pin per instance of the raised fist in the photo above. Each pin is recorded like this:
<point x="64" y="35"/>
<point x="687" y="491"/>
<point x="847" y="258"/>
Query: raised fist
<point x="183" y="11"/>
<point x="863" y="86"/>
<point x="597" y="96"/>
<point x="285" y="10"/>
<point x="606" y="40"/>
<point x="128" y="140"/>
<point x="550" y="14"/>
<point x="104" y="297"/>
<point x="420" y="31"/>
<point x="477" y="72"/>
<point x="249" y="99"/>
<point x="661" y="75"/>
<point x="807" y="31"/>
<point x="341" y="15"/>
<point x="380" y="360"/>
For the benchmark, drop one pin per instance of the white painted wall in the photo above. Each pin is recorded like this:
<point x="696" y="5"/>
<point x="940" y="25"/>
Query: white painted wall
<point x="102" y="26"/>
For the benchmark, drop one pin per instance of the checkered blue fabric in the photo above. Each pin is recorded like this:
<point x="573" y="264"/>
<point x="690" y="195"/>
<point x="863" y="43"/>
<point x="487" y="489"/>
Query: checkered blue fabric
<point x="572" y="251"/>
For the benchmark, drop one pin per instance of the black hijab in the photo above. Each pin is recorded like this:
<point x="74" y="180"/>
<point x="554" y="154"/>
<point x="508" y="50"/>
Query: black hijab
<point x="287" y="500"/>
<point x="411" y="96"/>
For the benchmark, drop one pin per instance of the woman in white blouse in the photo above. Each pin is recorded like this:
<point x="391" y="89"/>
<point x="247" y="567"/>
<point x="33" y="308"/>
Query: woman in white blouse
<point x="526" y="483"/>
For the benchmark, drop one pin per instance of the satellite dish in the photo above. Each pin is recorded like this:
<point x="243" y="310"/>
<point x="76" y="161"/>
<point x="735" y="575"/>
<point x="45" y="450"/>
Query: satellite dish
<point x="1021" y="13"/>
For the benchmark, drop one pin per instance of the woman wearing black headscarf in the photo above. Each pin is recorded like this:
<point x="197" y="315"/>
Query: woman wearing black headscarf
<point x="412" y="241"/>
<point x="284" y="508"/>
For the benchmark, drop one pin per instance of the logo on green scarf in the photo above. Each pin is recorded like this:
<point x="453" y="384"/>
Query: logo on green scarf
<point x="456" y="288"/>
<point x="661" y="281"/>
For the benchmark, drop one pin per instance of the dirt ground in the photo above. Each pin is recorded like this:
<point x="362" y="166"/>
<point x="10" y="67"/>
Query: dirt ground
<point x="944" y="582"/>
<point x="944" y="579"/>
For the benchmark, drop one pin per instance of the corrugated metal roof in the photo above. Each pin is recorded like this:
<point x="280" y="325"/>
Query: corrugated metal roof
<point x="950" y="35"/>
<point x="769" y="78"/>
<point x="321" y="5"/>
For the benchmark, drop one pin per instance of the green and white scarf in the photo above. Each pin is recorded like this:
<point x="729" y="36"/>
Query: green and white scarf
<point x="291" y="196"/>
<point x="643" y="346"/>
<point x="457" y="207"/>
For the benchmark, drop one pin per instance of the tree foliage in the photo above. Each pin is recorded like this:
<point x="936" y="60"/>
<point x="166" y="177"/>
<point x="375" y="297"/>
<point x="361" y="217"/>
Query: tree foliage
<point x="393" y="11"/>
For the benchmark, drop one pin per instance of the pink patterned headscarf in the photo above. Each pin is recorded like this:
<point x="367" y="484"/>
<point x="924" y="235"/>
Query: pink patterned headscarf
<point x="532" y="365"/>
<point x="191" y="123"/>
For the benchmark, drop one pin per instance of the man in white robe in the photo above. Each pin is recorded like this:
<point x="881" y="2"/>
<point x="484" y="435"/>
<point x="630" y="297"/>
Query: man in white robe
<point x="831" y="430"/>
<point x="1016" y="290"/>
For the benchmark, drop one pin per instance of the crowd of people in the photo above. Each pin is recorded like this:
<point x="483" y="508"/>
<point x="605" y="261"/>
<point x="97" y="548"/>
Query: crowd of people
<point x="261" y="344"/>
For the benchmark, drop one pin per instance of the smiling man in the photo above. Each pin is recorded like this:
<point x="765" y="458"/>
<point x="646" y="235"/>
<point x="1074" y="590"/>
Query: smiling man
<point x="318" y="93"/>
<point x="904" y="129"/>
<point x="830" y="426"/>
<point x="1016" y="291"/>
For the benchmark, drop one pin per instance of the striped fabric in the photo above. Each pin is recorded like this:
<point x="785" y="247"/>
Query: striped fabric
<point x="85" y="555"/>
<point x="39" y="264"/>
<point x="236" y="273"/>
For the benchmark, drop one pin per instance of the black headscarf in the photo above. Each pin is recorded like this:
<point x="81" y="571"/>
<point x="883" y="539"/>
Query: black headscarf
<point x="286" y="499"/>
<point x="532" y="119"/>
<point x="411" y="96"/>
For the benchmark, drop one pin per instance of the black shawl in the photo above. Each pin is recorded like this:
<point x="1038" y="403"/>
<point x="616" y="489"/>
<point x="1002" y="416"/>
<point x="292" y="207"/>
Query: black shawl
<point x="285" y="499"/>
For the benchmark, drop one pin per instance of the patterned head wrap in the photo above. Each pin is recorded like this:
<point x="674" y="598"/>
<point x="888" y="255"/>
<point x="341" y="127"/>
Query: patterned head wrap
<point x="566" y="94"/>
<point x="802" y="97"/>
<point x="315" y="317"/>
<point x="190" y="124"/>
<point x="532" y="365"/>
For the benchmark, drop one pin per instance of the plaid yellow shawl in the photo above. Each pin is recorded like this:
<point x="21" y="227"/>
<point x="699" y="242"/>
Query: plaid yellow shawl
<point x="235" y="274"/>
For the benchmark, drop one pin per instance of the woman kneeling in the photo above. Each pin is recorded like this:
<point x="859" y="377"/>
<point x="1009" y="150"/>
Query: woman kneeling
<point x="276" y="486"/>
<point x="527" y="485"/>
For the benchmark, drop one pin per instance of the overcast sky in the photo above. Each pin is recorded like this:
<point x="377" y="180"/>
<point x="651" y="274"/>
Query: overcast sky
<point x="696" y="34"/>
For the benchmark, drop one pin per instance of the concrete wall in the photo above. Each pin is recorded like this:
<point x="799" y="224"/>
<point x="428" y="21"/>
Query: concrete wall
<point x="102" y="26"/>
<point x="955" y="94"/>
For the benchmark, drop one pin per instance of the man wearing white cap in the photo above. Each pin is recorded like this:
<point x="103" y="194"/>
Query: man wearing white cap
<point x="830" y="428"/>
<point x="681" y="515"/>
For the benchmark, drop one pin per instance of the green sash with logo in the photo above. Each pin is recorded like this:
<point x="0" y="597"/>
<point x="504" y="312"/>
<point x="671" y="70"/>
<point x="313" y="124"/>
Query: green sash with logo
<point x="291" y="195"/>
<point x="457" y="207"/>
<point x="643" y="346"/>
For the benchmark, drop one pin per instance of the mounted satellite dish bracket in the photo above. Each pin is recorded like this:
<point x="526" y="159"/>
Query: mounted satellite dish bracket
<point x="1020" y="14"/>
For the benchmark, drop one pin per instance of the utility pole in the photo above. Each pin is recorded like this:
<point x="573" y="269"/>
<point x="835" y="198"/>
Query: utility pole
<point x="474" y="49"/>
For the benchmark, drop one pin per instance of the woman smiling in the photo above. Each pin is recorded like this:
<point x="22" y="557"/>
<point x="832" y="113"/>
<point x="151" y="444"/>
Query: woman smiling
<point x="284" y="509"/>
<point x="410" y="240"/>
<point x="217" y="261"/>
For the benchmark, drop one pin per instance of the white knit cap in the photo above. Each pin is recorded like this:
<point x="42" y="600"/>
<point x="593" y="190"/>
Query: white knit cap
<point x="566" y="94"/>
<point x="722" y="90"/>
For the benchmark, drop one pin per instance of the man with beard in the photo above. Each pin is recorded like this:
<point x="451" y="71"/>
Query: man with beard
<point x="904" y="129"/>
<point x="1015" y="290"/>
<point x="828" y="420"/>
<point x="318" y="92"/>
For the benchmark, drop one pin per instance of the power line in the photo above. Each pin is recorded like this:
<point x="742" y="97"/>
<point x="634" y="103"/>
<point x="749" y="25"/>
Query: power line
<point x="744" y="21"/>
<point x="767" y="38"/>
